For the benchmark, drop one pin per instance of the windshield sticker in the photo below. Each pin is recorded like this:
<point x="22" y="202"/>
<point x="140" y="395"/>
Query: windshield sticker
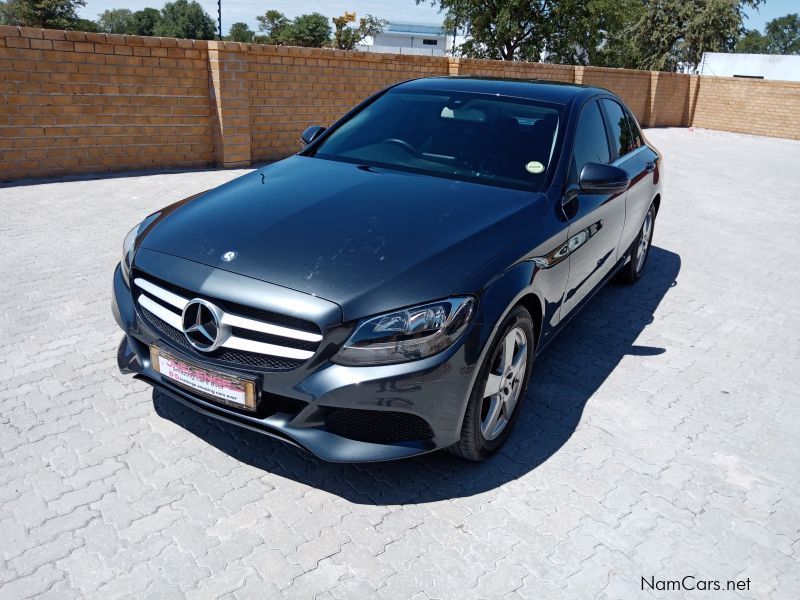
<point x="534" y="167"/>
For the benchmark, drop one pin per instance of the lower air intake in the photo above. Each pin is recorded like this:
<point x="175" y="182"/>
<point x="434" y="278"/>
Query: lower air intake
<point x="378" y="426"/>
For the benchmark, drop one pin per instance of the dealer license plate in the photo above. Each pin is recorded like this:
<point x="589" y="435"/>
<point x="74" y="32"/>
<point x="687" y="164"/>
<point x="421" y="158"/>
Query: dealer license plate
<point x="222" y="387"/>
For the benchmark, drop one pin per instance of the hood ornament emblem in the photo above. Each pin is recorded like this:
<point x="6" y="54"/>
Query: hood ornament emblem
<point x="229" y="256"/>
<point x="202" y="326"/>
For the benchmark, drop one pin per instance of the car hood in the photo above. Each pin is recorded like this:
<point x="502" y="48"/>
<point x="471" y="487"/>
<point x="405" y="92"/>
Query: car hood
<point x="366" y="238"/>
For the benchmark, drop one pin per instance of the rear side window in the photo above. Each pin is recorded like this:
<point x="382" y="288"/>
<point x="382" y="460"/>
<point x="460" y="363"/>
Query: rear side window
<point x="638" y="139"/>
<point x="621" y="135"/>
<point x="591" y="143"/>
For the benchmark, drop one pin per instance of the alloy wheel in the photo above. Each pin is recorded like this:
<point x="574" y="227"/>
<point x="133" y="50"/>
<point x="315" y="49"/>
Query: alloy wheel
<point x="504" y="384"/>
<point x="644" y="241"/>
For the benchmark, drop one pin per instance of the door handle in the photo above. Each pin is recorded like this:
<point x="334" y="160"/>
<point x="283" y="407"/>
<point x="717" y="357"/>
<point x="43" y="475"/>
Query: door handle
<point x="650" y="166"/>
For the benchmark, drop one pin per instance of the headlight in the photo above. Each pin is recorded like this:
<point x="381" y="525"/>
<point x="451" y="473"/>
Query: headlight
<point x="408" y="334"/>
<point x="128" y="246"/>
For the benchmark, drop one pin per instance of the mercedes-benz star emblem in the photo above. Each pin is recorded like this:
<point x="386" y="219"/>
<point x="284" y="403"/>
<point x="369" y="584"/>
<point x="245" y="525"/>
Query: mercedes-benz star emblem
<point x="229" y="256"/>
<point x="201" y="325"/>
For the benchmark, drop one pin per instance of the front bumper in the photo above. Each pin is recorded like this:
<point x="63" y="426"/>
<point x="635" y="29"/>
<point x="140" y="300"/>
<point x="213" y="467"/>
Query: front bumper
<point x="296" y="405"/>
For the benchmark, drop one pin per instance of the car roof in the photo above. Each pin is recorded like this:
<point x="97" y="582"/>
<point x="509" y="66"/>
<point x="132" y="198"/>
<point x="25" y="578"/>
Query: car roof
<point x="531" y="89"/>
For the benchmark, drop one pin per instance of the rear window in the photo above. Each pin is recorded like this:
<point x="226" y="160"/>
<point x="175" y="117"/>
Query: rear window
<point x="472" y="137"/>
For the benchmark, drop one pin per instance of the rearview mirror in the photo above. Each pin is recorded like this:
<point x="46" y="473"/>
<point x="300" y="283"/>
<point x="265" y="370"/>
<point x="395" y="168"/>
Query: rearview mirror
<point x="597" y="178"/>
<point x="311" y="133"/>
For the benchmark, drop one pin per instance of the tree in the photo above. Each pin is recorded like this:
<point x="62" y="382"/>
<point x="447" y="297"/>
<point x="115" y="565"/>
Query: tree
<point x="783" y="34"/>
<point x="50" y="14"/>
<point x="673" y="34"/>
<point x="185" y="19"/>
<point x="143" y="22"/>
<point x="275" y="27"/>
<point x="83" y="25"/>
<point x="240" y="32"/>
<point x="562" y="31"/>
<point x="311" y="31"/>
<point x="593" y="32"/>
<point x="500" y="29"/>
<point x="752" y="42"/>
<point x="346" y="38"/>
<point x="115" y="20"/>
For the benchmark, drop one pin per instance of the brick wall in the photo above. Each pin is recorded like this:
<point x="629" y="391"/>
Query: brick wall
<point x="73" y="102"/>
<point x="630" y="85"/>
<point x="748" y="106"/>
<point x="292" y="88"/>
<point x="518" y="70"/>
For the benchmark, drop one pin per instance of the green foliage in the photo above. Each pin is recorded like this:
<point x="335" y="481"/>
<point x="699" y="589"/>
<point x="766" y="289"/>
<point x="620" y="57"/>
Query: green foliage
<point x="593" y="32"/>
<point x="752" y="42"/>
<point x="507" y="29"/>
<point x="115" y="20"/>
<point x="51" y="14"/>
<point x="143" y="22"/>
<point x="310" y="30"/>
<point x="184" y="19"/>
<point x="783" y="34"/>
<point x="560" y="31"/>
<point x="83" y="25"/>
<point x="346" y="38"/>
<point x="647" y="34"/>
<point x="240" y="32"/>
<point x="275" y="27"/>
<point x="673" y="34"/>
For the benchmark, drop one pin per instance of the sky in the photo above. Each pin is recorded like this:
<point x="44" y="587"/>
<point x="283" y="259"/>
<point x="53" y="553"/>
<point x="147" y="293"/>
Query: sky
<point x="246" y="10"/>
<point x="395" y="10"/>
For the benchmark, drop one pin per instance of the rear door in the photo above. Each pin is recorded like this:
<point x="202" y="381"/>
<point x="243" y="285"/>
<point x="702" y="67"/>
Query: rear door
<point x="595" y="220"/>
<point x="631" y="154"/>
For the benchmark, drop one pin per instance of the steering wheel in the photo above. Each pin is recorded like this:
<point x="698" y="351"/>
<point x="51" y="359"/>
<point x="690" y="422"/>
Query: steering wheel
<point x="403" y="144"/>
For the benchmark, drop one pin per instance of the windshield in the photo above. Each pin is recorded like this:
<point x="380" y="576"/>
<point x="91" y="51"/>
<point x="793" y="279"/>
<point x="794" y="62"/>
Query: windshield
<point x="474" y="137"/>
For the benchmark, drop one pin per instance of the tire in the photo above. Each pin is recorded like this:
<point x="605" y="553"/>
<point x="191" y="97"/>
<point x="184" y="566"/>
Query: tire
<point x="640" y="249"/>
<point x="481" y="436"/>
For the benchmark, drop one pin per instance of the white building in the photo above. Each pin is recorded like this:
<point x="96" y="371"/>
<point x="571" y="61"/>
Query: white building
<point x="752" y="66"/>
<point x="410" y="38"/>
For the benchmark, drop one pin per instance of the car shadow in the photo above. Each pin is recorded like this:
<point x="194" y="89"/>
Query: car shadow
<point x="565" y="377"/>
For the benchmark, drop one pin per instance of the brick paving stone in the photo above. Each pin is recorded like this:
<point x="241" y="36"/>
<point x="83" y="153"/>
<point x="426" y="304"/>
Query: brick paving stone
<point x="659" y="437"/>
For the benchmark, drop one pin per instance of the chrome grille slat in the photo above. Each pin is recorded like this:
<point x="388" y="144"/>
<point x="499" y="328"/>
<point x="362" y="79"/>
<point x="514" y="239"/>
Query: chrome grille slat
<point x="228" y="320"/>
<point x="177" y="301"/>
<point x="236" y="343"/>
<point x="279" y="330"/>
<point x="161" y="312"/>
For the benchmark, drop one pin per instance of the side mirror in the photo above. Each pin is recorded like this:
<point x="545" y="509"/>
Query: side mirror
<point x="310" y="134"/>
<point x="597" y="178"/>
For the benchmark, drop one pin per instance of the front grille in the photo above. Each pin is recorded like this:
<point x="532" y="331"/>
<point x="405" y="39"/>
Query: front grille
<point x="245" y="336"/>
<point x="377" y="426"/>
<point x="232" y="357"/>
<point x="234" y="308"/>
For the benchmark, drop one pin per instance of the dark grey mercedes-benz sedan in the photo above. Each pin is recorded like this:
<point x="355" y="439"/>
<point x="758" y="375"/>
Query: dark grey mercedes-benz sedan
<point x="384" y="292"/>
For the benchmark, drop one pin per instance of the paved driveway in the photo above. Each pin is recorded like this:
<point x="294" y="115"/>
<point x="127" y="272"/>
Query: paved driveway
<point x="660" y="436"/>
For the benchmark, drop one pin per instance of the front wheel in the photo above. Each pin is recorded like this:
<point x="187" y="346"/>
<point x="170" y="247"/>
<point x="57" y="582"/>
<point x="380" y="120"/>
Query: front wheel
<point x="499" y="389"/>
<point x="640" y="250"/>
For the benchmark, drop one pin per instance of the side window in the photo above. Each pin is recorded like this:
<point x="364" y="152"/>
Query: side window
<point x="638" y="139"/>
<point x="591" y="143"/>
<point x="621" y="135"/>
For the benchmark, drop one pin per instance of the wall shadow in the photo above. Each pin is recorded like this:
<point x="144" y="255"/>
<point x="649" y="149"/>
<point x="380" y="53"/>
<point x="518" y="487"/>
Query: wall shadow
<point x="565" y="377"/>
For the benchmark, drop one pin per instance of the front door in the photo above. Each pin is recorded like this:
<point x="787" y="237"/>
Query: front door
<point x="595" y="220"/>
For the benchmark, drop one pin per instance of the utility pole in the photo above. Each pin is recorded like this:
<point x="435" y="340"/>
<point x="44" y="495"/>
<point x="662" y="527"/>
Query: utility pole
<point x="219" y="17"/>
